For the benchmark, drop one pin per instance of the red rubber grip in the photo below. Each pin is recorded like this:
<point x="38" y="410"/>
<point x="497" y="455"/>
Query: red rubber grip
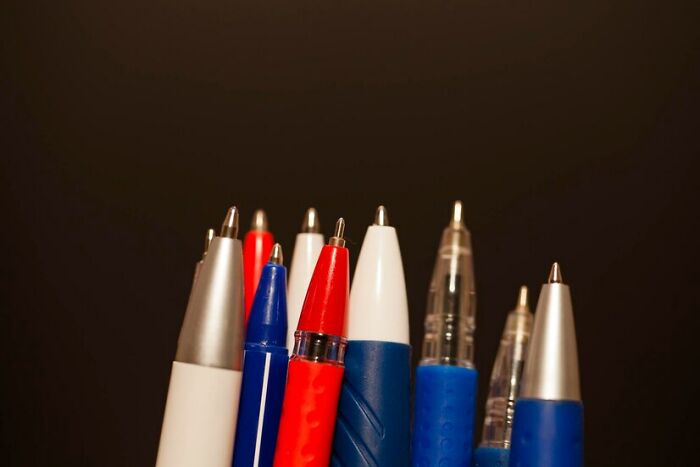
<point x="308" y="414"/>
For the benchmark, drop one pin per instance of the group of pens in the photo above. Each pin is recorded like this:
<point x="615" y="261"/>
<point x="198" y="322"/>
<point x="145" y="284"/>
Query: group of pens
<point x="343" y="398"/>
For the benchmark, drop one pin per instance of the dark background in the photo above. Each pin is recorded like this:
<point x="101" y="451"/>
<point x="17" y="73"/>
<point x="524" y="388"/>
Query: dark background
<point x="129" y="127"/>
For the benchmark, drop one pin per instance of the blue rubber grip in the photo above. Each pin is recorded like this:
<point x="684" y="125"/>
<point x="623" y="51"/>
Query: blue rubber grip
<point x="252" y="411"/>
<point x="547" y="434"/>
<point x="491" y="457"/>
<point x="373" y="424"/>
<point x="443" y="422"/>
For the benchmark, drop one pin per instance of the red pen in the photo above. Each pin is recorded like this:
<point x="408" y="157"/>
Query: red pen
<point x="257" y="246"/>
<point x="316" y="367"/>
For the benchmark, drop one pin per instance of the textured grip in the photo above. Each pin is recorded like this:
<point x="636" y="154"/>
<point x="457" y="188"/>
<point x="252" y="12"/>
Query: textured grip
<point x="547" y="434"/>
<point x="491" y="457"/>
<point x="262" y="391"/>
<point x="444" y="416"/>
<point x="373" y="426"/>
<point x="308" y="414"/>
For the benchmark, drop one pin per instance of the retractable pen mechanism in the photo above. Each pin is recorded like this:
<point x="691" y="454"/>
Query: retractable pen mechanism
<point x="373" y="425"/>
<point x="200" y="412"/>
<point x="446" y="379"/>
<point x="505" y="383"/>
<point x="307" y="247"/>
<point x="548" y="420"/>
<point x="264" y="368"/>
<point x="316" y="368"/>
<point x="257" y="245"/>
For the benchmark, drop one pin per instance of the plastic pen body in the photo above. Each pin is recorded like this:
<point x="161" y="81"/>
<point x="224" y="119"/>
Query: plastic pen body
<point x="257" y="245"/>
<point x="373" y="425"/>
<point x="306" y="250"/>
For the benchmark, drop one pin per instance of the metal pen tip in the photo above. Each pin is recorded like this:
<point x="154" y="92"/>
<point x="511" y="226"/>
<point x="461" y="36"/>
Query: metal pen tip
<point x="457" y="220"/>
<point x="276" y="256"/>
<point x="337" y="238"/>
<point x="207" y="241"/>
<point x="381" y="217"/>
<point x="311" y="223"/>
<point x="522" y="298"/>
<point x="259" y="221"/>
<point x="230" y="226"/>
<point x="555" y="276"/>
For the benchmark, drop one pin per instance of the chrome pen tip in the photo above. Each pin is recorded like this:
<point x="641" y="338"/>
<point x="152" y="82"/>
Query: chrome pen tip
<point x="311" y="223"/>
<point x="337" y="238"/>
<point x="522" y="298"/>
<point x="457" y="220"/>
<point x="276" y="256"/>
<point x="207" y="241"/>
<point x="555" y="276"/>
<point x="230" y="226"/>
<point x="259" y="221"/>
<point x="381" y="217"/>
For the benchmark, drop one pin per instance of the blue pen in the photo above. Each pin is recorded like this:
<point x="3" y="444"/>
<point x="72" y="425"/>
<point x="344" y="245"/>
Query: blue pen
<point x="264" y="368"/>
<point x="548" y="422"/>
<point x="443" y="422"/>
<point x="503" y="390"/>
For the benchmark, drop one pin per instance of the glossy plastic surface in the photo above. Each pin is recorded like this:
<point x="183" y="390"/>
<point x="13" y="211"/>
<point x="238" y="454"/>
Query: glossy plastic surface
<point x="257" y="245"/>
<point x="491" y="457"/>
<point x="267" y="324"/>
<point x="373" y="426"/>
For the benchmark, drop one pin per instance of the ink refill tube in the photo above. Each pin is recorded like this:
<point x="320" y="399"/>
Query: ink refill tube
<point x="307" y="247"/>
<point x="257" y="245"/>
<point x="264" y="368"/>
<point x="443" y="421"/>
<point x="315" y="371"/>
<point x="202" y="405"/>
<point x="373" y="425"/>
<point x="506" y="375"/>
<point x="548" y="419"/>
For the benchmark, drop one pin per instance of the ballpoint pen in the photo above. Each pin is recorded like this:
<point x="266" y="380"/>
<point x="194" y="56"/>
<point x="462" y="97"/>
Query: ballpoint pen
<point x="198" y="266"/>
<point x="307" y="246"/>
<point x="264" y="368"/>
<point x="443" y="421"/>
<point x="548" y="420"/>
<point x="256" y="250"/>
<point x="373" y="425"/>
<point x="505" y="383"/>
<point x="316" y="368"/>
<point x="200" y="412"/>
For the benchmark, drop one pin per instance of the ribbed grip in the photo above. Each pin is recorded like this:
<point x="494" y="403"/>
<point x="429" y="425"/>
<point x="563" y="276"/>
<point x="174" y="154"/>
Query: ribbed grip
<point x="444" y="416"/>
<point x="491" y="457"/>
<point x="262" y="392"/>
<point x="308" y="414"/>
<point x="547" y="434"/>
<point x="373" y="426"/>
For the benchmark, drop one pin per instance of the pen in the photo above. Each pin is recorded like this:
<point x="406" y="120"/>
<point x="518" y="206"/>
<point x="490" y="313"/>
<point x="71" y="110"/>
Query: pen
<point x="307" y="246"/>
<point x="373" y="425"/>
<point x="256" y="250"/>
<point x="548" y="421"/>
<point x="316" y="368"/>
<point x="198" y="266"/>
<point x="264" y="368"/>
<point x="200" y="412"/>
<point x="443" y="421"/>
<point x="505" y="383"/>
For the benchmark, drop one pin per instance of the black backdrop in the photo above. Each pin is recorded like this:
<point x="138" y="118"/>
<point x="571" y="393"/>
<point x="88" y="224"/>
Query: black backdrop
<point x="129" y="127"/>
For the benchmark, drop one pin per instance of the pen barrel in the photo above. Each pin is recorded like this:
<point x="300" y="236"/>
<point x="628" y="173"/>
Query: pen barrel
<point x="262" y="392"/>
<point x="443" y="423"/>
<point x="547" y="434"/>
<point x="373" y="425"/>
<point x="199" y="424"/>
<point x="491" y="457"/>
<point x="308" y="414"/>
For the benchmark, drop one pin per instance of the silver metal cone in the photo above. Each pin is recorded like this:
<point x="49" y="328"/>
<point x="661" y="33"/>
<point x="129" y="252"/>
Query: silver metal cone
<point x="276" y="255"/>
<point x="381" y="217"/>
<point x="259" y="221"/>
<point x="337" y="238"/>
<point x="311" y="223"/>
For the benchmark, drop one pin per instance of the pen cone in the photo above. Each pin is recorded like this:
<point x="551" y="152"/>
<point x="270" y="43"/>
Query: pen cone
<point x="207" y="241"/>
<point x="259" y="221"/>
<point x="229" y="228"/>
<point x="311" y="223"/>
<point x="276" y="254"/>
<point x="381" y="217"/>
<point x="337" y="238"/>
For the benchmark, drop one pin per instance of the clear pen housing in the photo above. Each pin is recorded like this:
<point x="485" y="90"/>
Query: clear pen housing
<point x="506" y="376"/>
<point x="451" y="310"/>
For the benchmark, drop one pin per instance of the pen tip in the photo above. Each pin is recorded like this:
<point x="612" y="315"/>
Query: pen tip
<point x="381" y="217"/>
<point x="337" y="238"/>
<point x="276" y="256"/>
<point x="522" y="297"/>
<point x="555" y="276"/>
<point x="259" y="221"/>
<point x="457" y="215"/>
<point x="311" y="224"/>
<point x="230" y="226"/>
<point x="207" y="241"/>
